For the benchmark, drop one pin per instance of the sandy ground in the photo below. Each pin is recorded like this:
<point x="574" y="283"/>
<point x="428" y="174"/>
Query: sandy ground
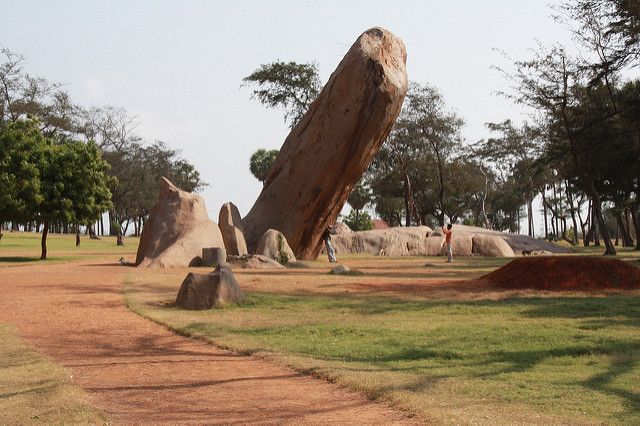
<point x="139" y="372"/>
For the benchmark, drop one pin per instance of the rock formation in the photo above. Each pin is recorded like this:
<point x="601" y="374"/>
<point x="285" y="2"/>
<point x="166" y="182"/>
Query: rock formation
<point x="400" y="241"/>
<point x="341" y="228"/>
<point x="205" y="291"/>
<point x="328" y="150"/>
<point x="270" y="246"/>
<point x="230" y="224"/>
<point x="421" y="241"/>
<point x="258" y="261"/>
<point x="177" y="230"/>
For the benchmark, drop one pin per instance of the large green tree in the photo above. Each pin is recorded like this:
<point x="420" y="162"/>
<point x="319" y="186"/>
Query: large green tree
<point x="65" y="182"/>
<point x="287" y="85"/>
<point x="21" y="153"/>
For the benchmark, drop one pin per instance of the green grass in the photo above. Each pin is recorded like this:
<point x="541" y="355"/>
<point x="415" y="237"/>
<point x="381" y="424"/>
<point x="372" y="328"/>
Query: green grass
<point x="24" y="247"/>
<point x="34" y="389"/>
<point x="542" y="359"/>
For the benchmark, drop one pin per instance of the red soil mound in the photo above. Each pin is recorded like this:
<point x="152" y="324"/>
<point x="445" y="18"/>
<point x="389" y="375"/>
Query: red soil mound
<point x="566" y="273"/>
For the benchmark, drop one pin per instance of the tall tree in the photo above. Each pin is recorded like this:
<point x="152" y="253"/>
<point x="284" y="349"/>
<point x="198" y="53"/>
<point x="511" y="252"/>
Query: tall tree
<point x="287" y="85"/>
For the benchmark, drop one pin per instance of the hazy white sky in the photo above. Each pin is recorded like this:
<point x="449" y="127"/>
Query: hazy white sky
<point x="178" y="65"/>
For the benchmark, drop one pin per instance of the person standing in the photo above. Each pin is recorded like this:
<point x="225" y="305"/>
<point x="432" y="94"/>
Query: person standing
<point x="326" y="236"/>
<point x="447" y="241"/>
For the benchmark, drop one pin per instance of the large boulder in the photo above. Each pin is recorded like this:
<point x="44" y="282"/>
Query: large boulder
<point x="177" y="230"/>
<point x="205" y="291"/>
<point x="422" y="241"/>
<point x="399" y="241"/>
<point x="230" y="224"/>
<point x="491" y="246"/>
<point x="271" y="245"/>
<point x="326" y="153"/>
<point x="341" y="228"/>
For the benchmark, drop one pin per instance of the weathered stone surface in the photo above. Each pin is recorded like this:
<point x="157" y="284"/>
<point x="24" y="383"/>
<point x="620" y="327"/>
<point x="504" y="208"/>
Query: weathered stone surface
<point x="205" y="291"/>
<point x="268" y="246"/>
<point x="258" y="261"/>
<point x="399" y="241"/>
<point x="213" y="256"/>
<point x="491" y="246"/>
<point x="433" y="245"/>
<point x="421" y="241"/>
<point x="328" y="150"/>
<point x="340" y="269"/>
<point x="230" y="223"/>
<point x="177" y="230"/>
<point x="341" y="228"/>
<point x="461" y="245"/>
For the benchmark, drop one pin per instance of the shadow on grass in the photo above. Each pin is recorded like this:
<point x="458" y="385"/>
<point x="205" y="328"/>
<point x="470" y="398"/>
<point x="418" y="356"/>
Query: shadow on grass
<point x="18" y="259"/>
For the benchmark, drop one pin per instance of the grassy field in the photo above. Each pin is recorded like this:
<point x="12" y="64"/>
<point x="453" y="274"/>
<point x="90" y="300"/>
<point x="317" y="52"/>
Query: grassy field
<point x="34" y="389"/>
<point x="24" y="247"/>
<point x="412" y="332"/>
<point x="408" y="332"/>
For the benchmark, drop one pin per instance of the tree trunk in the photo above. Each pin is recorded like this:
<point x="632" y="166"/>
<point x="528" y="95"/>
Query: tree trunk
<point x="597" y="207"/>
<point x="636" y="225"/>
<point x="43" y="243"/>
<point x="530" y="216"/>
<point x="357" y="220"/>
<point x="409" y="198"/>
<point x="77" y="236"/>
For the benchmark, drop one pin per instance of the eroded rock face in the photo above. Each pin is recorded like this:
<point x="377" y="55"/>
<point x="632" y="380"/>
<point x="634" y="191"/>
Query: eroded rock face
<point x="177" y="230"/>
<point x="421" y="241"/>
<point x="399" y="241"/>
<point x="205" y="291"/>
<point x="230" y="224"/>
<point x="328" y="150"/>
<point x="268" y="246"/>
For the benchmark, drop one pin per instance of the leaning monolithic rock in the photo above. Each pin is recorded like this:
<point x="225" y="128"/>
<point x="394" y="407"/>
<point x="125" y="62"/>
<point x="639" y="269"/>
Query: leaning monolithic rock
<point x="328" y="150"/>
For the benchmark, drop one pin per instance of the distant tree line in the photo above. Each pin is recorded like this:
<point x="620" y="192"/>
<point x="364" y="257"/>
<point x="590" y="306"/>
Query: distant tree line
<point x="580" y="151"/>
<point x="52" y="146"/>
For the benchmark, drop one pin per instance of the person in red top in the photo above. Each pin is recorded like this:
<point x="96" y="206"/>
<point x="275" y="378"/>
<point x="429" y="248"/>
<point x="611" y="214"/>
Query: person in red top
<point x="447" y="241"/>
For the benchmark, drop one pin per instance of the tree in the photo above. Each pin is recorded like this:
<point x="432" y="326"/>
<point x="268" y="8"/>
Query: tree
<point x="411" y="164"/>
<point x="21" y="153"/>
<point x="23" y="95"/>
<point x="290" y="86"/>
<point x="512" y="153"/>
<point x="359" y="222"/>
<point x="260" y="163"/>
<point x="68" y="181"/>
<point x="359" y="197"/>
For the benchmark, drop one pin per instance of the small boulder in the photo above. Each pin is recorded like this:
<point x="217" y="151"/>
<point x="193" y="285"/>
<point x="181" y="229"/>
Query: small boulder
<point x="340" y="269"/>
<point x="271" y="245"/>
<point x="230" y="224"/>
<point x="205" y="291"/>
<point x="258" y="261"/>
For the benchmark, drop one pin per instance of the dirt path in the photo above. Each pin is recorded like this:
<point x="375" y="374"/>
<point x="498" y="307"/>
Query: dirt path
<point x="138" y="372"/>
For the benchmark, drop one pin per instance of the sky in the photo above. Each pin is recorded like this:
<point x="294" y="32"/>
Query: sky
<point x="178" y="65"/>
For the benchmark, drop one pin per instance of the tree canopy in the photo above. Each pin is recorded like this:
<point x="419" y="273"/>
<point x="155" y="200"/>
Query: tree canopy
<point x="287" y="85"/>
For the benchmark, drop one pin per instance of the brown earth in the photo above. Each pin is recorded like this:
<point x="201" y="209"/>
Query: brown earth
<point x="566" y="273"/>
<point x="138" y="372"/>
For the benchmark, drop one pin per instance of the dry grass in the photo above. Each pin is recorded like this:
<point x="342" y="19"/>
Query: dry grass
<point x="34" y="389"/>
